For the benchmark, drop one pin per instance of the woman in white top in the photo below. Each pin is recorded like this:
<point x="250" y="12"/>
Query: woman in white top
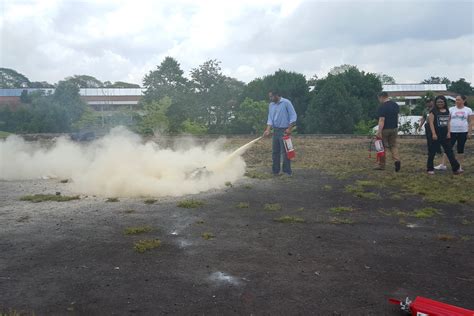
<point x="461" y="128"/>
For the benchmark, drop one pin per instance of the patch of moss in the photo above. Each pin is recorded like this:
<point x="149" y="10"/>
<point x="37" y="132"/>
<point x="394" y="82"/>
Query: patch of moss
<point x="146" y="244"/>
<point x="243" y="205"/>
<point x="190" y="204"/>
<point x="37" y="198"/>
<point x="113" y="199"/>
<point x="339" y="221"/>
<point x="137" y="230"/>
<point x="150" y="201"/>
<point x="207" y="236"/>
<point x="340" y="209"/>
<point x="289" y="219"/>
<point x="327" y="187"/>
<point x="272" y="207"/>
<point x="426" y="212"/>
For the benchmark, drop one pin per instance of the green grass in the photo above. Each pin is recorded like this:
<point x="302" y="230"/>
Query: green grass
<point x="426" y="212"/>
<point x="243" y="205"/>
<point x="327" y="187"/>
<point x="200" y="222"/>
<point x="229" y="184"/>
<point x="150" y="201"/>
<point x="4" y="134"/>
<point x="137" y="230"/>
<point x="37" y="198"/>
<point x="340" y="209"/>
<point x="289" y="219"/>
<point x="467" y="222"/>
<point x="272" y="207"/>
<point x="190" y="203"/>
<point x="207" y="236"/>
<point x="465" y="238"/>
<point x="248" y="187"/>
<point x="129" y="211"/>
<point x="146" y="244"/>
<point x="339" y="221"/>
<point x="112" y="200"/>
<point x="300" y="209"/>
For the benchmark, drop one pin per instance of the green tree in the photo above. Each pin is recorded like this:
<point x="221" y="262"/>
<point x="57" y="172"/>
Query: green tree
<point x="359" y="84"/>
<point x="9" y="78"/>
<point x="66" y="95"/>
<point x="41" y="85"/>
<point x="193" y="128"/>
<point x="462" y="87"/>
<point x="250" y="117"/>
<point x="333" y="110"/>
<point x="89" y="120"/>
<point x="120" y="85"/>
<point x="85" y="81"/>
<point x="168" y="80"/>
<point x="155" y="120"/>
<point x="385" y="79"/>
<point x="216" y="96"/>
<point x="436" y="80"/>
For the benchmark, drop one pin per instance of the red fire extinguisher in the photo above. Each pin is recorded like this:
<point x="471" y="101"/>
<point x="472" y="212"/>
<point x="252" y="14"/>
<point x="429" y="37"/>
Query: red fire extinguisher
<point x="378" y="145"/>
<point x="422" y="306"/>
<point x="290" y="150"/>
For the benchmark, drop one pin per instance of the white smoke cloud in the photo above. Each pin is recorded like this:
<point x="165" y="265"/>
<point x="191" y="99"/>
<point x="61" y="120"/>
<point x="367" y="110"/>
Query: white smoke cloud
<point x="122" y="165"/>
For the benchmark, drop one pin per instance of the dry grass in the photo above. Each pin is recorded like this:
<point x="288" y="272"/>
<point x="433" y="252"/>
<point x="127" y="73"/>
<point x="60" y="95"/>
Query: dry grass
<point x="346" y="158"/>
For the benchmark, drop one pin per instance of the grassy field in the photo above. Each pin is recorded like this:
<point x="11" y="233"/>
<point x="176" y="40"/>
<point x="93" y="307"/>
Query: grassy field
<point x="348" y="159"/>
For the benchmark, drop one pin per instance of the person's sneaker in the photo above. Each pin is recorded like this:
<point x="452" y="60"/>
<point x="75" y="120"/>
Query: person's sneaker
<point x="441" y="167"/>
<point x="430" y="173"/>
<point x="461" y="169"/>
<point x="398" y="165"/>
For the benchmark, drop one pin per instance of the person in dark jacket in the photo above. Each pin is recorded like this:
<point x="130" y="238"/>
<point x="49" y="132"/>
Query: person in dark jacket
<point x="439" y="121"/>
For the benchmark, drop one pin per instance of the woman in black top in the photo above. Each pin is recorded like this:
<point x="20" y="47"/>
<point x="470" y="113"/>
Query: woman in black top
<point x="439" y="120"/>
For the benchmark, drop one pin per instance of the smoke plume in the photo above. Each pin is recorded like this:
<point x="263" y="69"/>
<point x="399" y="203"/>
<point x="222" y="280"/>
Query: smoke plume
<point x="122" y="165"/>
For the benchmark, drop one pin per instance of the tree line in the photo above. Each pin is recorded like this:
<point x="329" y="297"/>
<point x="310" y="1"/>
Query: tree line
<point x="209" y="102"/>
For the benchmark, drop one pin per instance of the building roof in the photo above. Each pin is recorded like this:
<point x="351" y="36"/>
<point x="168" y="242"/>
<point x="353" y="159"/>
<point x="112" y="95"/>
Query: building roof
<point x="82" y="92"/>
<point x="414" y="87"/>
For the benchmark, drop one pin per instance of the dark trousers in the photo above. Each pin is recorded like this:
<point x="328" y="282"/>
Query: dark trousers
<point x="278" y="150"/>
<point x="448" y="150"/>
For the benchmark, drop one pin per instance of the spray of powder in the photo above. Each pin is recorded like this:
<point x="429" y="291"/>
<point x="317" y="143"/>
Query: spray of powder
<point x="121" y="165"/>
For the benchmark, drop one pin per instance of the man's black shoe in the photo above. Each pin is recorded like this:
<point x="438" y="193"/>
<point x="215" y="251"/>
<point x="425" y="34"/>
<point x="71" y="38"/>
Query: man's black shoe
<point x="398" y="165"/>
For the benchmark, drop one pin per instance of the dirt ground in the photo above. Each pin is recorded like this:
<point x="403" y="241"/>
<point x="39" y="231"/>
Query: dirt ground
<point x="358" y="238"/>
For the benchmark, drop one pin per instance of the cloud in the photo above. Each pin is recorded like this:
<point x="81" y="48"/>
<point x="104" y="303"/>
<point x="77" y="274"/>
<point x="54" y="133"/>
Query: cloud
<point x="123" y="40"/>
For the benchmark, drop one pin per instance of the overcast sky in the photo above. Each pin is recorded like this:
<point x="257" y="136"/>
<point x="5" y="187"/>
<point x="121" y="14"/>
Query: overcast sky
<point x="121" y="40"/>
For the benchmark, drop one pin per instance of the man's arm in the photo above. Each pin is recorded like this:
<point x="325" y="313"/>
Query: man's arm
<point x="469" y="126"/>
<point x="381" y="125"/>
<point x="269" y="123"/>
<point x="292" y="116"/>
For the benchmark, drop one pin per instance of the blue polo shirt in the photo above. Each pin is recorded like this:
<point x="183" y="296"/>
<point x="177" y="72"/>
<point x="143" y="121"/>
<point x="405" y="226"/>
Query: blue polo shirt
<point x="281" y="114"/>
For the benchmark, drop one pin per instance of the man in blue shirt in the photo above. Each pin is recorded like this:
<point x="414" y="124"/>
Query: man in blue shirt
<point x="282" y="118"/>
